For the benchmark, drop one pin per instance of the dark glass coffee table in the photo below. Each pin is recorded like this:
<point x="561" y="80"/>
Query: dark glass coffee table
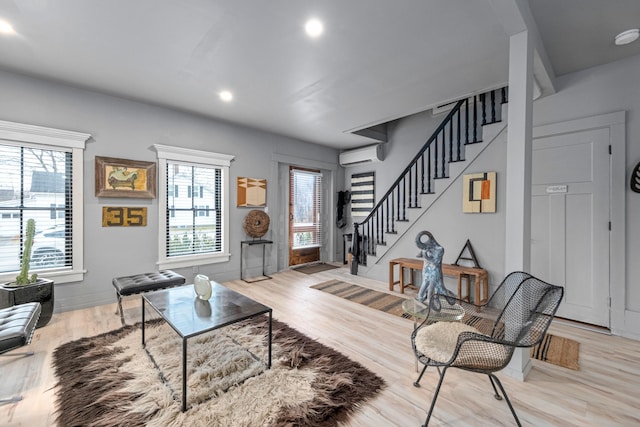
<point x="225" y="307"/>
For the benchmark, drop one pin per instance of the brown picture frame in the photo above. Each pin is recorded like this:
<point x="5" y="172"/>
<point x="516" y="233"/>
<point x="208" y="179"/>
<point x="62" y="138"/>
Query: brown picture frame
<point x="124" y="178"/>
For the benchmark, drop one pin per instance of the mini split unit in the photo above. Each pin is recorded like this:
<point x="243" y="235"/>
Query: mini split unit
<point x="369" y="154"/>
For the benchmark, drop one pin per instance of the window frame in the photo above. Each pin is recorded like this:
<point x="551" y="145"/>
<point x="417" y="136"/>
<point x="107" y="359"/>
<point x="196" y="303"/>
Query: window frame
<point x="188" y="156"/>
<point x="24" y="135"/>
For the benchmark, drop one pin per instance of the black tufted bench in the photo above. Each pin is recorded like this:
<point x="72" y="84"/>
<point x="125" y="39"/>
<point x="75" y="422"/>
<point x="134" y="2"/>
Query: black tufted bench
<point x="145" y="282"/>
<point x="17" y="325"/>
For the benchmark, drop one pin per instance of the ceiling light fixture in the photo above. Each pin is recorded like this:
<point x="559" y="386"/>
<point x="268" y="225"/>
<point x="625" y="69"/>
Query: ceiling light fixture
<point x="6" y="27"/>
<point x="314" y="28"/>
<point x="226" y="96"/>
<point x="627" y="37"/>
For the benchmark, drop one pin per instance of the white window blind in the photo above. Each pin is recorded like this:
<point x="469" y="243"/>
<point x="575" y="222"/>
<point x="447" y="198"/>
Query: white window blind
<point x="306" y="191"/>
<point x="193" y="207"/>
<point x="42" y="171"/>
<point x="193" y="229"/>
<point x="36" y="184"/>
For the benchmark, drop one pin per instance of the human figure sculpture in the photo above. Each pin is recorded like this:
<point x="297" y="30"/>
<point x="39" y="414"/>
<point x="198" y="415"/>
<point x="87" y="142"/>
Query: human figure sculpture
<point x="432" y="283"/>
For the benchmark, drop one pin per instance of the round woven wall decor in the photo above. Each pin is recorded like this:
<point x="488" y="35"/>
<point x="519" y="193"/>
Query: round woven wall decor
<point x="256" y="223"/>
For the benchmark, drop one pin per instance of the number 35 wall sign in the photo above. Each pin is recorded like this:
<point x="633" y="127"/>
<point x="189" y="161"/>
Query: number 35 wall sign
<point x="124" y="217"/>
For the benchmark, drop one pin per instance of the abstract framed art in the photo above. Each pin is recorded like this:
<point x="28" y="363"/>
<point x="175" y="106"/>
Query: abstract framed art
<point x="479" y="192"/>
<point x="252" y="192"/>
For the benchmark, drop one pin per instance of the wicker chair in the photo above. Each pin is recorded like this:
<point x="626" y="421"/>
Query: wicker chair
<point x="517" y="314"/>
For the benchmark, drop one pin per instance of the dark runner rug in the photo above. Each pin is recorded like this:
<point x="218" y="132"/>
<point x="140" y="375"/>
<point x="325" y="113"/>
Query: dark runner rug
<point x="553" y="349"/>
<point x="315" y="268"/>
<point x="109" y="380"/>
<point x="374" y="299"/>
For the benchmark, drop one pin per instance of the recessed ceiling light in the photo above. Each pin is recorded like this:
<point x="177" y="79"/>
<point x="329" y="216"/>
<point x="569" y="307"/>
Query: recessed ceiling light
<point x="6" y="27"/>
<point x="314" y="27"/>
<point x="226" y="96"/>
<point x="627" y="37"/>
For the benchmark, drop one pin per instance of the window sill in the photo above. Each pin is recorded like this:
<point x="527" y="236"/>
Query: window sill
<point x="306" y="247"/>
<point x="192" y="260"/>
<point x="67" y="276"/>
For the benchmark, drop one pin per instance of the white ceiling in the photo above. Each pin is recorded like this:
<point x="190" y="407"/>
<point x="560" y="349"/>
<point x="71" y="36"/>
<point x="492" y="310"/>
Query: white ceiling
<point x="579" y="34"/>
<point x="378" y="60"/>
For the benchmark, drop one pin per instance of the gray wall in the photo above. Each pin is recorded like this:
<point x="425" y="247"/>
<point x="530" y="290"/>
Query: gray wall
<point x="127" y="129"/>
<point x="406" y="137"/>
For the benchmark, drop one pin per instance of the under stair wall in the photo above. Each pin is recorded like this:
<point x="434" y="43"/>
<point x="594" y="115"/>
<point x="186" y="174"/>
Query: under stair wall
<point x="441" y="213"/>
<point x="443" y="217"/>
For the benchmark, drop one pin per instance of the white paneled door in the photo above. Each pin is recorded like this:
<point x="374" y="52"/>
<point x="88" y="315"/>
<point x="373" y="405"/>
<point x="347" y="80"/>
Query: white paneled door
<point x="570" y="220"/>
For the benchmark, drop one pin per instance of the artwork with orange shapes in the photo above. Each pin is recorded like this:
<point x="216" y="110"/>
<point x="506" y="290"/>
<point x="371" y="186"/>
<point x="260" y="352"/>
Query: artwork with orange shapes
<point x="479" y="192"/>
<point x="252" y="192"/>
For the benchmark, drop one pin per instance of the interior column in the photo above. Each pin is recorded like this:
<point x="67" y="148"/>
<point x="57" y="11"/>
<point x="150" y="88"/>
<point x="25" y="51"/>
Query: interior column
<point x="518" y="179"/>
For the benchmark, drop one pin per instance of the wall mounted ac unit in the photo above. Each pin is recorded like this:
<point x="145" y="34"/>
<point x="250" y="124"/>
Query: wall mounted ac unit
<point x="371" y="153"/>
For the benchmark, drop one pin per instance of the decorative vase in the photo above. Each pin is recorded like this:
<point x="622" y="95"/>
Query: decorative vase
<point x="202" y="286"/>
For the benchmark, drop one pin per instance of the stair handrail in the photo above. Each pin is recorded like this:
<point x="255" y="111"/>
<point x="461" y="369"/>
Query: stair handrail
<point x="368" y="221"/>
<point x="424" y="148"/>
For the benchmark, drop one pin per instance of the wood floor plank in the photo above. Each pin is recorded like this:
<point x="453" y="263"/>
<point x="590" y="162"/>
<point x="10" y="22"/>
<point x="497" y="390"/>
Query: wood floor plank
<point x="605" y="391"/>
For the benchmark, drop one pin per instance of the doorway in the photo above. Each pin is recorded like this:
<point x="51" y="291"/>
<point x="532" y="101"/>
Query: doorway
<point x="305" y="211"/>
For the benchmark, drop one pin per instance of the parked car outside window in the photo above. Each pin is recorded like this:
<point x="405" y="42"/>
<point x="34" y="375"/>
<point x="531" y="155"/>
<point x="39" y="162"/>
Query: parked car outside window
<point x="49" y="248"/>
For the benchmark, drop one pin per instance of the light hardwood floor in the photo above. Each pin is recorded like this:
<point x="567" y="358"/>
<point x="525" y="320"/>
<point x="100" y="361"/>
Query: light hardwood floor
<point x="604" y="392"/>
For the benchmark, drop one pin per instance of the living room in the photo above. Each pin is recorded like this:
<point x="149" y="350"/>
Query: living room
<point x="126" y="128"/>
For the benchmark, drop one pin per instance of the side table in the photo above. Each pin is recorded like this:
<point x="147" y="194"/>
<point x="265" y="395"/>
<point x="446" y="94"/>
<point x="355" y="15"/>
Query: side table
<point x="261" y="242"/>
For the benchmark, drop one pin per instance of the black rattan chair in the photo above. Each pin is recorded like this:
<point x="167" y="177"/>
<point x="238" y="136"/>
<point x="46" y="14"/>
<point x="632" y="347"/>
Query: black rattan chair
<point x="517" y="314"/>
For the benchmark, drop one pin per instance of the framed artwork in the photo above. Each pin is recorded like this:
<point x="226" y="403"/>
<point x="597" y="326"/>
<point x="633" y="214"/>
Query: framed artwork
<point x="252" y="192"/>
<point x="479" y="192"/>
<point x="362" y="193"/>
<point x="125" y="178"/>
<point x="117" y="216"/>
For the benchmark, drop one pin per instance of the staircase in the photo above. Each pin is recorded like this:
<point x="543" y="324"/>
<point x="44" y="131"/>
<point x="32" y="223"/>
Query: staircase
<point x="444" y="157"/>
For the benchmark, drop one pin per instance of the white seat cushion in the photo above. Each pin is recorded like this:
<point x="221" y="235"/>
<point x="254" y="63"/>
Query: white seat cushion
<point x="438" y="341"/>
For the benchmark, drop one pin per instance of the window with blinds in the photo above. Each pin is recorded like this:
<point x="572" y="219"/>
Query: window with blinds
<point x="194" y="221"/>
<point x="193" y="207"/>
<point x="36" y="183"/>
<point x="306" y="227"/>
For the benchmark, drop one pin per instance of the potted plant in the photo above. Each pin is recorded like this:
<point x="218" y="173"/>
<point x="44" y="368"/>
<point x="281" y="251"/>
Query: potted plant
<point x="28" y="287"/>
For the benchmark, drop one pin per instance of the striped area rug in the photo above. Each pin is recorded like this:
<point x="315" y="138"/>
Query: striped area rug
<point x="560" y="351"/>
<point x="314" y="268"/>
<point x="374" y="299"/>
<point x="553" y="349"/>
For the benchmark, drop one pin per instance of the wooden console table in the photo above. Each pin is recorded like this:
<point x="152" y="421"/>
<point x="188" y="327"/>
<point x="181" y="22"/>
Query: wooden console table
<point x="480" y="275"/>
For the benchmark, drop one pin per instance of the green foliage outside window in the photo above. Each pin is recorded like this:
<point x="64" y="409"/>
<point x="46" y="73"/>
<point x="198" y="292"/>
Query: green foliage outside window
<point x="184" y="244"/>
